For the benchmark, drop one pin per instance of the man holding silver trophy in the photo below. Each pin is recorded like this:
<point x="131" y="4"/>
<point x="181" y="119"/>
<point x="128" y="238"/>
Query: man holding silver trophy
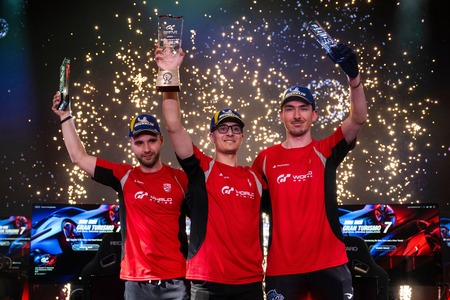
<point x="307" y="256"/>
<point x="225" y="251"/>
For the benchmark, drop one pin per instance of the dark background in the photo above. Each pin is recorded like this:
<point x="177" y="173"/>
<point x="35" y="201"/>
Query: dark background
<point x="240" y="54"/>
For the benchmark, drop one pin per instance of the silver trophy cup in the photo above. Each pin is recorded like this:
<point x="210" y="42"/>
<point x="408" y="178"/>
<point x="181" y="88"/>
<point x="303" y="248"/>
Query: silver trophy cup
<point x="170" y="30"/>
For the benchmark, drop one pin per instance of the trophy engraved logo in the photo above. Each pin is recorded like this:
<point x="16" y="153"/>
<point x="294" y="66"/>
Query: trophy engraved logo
<point x="166" y="77"/>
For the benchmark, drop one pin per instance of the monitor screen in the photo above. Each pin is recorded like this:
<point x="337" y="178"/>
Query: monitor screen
<point x="15" y="244"/>
<point x="445" y="235"/>
<point x="65" y="237"/>
<point x="404" y="239"/>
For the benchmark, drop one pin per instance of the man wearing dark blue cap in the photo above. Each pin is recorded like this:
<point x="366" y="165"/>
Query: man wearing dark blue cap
<point x="307" y="255"/>
<point x="152" y="209"/>
<point x="225" y="251"/>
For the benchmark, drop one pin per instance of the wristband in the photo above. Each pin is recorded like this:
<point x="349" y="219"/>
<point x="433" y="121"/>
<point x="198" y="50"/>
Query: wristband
<point x="356" y="86"/>
<point x="66" y="118"/>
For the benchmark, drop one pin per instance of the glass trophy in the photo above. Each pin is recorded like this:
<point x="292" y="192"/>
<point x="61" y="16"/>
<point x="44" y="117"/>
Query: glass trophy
<point x="320" y="35"/>
<point x="64" y="74"/>
<point x="170" y="30"/>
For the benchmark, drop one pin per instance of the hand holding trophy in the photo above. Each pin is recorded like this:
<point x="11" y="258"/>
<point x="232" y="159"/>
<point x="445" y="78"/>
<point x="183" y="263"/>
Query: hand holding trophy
<point x="339" y="53"/>
<point x="169" y="54"/>
<point x="64" y="75"/>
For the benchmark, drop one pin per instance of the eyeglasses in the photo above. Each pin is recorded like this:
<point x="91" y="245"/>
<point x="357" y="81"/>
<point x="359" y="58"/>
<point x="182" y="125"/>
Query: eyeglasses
<point x="235" y="129"/>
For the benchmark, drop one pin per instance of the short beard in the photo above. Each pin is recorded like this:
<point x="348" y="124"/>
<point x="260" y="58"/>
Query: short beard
<point x="150" y="164"/>
<point x="297" y="132"/>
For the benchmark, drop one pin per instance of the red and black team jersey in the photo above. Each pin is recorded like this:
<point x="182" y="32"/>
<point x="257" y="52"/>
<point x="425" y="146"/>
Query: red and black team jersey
<point x="152" y="217"/>
<point x="225" y="240"/>
<point x="306" y="233"/>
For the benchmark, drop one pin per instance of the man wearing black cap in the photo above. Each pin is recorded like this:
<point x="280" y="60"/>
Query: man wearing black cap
<point x="225" y="252"/>
<point x="152" y="209"/>
<point x="307" y="254"/>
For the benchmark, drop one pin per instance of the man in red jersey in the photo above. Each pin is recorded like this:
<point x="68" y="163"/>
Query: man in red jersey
<point x="307" y="254"/>
<point x="152" y="209"/>
<point x="225" y="251"/>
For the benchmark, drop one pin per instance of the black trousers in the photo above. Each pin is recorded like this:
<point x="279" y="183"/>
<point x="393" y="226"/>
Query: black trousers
<point x="205" y="290"/>
<point x="173" y="289"/>
<point x="328" y="284"/>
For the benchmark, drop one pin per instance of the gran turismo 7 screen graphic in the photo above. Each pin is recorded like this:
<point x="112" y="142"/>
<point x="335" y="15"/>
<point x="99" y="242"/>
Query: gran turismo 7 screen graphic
<point x="404" y="239"/>
<point x="15" y="244"/>
<point x="65" y="237"/>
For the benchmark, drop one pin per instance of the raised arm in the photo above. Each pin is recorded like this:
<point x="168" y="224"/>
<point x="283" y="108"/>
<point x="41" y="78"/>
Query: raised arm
<point x="346" y="58"/>
<point x="178" y="135"/>
<point x="74" y="146"/>
<point x="358" y="110"/>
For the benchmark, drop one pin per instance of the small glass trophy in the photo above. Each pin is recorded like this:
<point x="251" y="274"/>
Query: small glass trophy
<point x="320" y="35"/>
<point x="170" y="29"/>
<point x="64" y="74"/>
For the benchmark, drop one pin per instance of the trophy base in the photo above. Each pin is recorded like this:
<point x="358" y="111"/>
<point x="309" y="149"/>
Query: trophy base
<point x="168" y="88"/>
<point x="168" y="81"/>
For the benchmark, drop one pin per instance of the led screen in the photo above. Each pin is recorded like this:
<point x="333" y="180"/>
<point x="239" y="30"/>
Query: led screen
<point x="404" y="239"/>
<point x="64" y="238"/>
<point x="15" y="244"/>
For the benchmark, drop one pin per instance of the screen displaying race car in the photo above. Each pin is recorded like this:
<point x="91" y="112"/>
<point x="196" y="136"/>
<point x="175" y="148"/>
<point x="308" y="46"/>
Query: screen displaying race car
<point x="64" y="238"/>
<point x="15" y="244"/>
<point x="404" y="239"/>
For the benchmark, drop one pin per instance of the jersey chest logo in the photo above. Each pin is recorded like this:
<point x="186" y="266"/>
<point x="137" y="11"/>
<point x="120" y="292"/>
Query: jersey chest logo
<point x="167" y="187"/>
<point x="282" y="178"/>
